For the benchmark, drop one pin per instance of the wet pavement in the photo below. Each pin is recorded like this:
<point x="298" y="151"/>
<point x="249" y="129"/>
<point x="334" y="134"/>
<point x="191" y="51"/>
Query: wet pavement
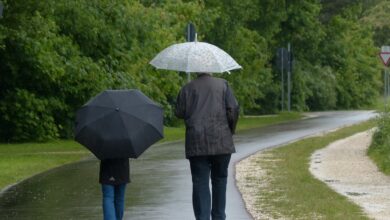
<point x="161" y="182"/>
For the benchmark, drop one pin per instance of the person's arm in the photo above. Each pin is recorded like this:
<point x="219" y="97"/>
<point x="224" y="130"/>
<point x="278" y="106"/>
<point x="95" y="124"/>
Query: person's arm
<point x="180" y="109"/>
<point x="232" y="109"/>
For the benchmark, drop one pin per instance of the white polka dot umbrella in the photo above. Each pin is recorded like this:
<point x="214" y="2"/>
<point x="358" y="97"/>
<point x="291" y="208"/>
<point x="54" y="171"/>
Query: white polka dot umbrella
<point x="197" y="57"/>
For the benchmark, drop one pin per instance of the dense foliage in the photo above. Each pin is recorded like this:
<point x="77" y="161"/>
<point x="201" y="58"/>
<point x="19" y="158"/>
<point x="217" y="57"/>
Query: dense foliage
<point x="55" y="55"/>
<point x="378" y="16"/>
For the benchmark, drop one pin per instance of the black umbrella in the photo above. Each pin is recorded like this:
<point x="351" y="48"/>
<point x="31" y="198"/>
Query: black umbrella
<point x="119" y="124"/>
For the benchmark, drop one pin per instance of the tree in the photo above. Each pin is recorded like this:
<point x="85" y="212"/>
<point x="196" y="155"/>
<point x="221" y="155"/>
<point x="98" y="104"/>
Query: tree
<point x="58" y="54"/>
<point x="233" y="33"/>
<point x="351" y="57"/>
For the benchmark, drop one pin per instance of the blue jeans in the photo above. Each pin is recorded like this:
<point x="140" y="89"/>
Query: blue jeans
<point x="113" y="201"/>
<point x="201" y="167"/>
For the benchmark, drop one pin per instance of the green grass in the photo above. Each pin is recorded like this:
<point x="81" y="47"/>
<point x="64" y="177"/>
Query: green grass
<point x="248" y="122"/>
<point x="380" y="154"/>
<point x="379" y="104"/>
<point x="19" y="161"/>
<point x="244" y="122"/>
<point x="289" y="190"/>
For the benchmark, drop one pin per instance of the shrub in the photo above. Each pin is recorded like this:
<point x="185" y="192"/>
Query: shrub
<point x="380" y="147"/>
<point x="28" y="117"/>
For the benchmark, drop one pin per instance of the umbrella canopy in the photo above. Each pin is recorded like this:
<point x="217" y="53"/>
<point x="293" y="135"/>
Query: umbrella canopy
<point x="197" y="57"/>
<point x="119" y="124"/>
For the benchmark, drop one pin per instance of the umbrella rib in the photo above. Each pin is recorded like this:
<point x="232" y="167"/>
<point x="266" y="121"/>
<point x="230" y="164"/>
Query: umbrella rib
<point x="91" y="102"/>
<point x="220" y="64"/>
<point x="152" y="105"/>
<point x="158" y="132"/>
<point x="217" y="59"/>
<point x="103" y="115"/>
<point x="140" y="120"/>
<point x="124" y="124"/>
<point x="232" y="64"/>
<point x="100" y="106"/>
<point x="144" y="104"/>
<point x="96" y="105"/>
<point x="188" y="56"/>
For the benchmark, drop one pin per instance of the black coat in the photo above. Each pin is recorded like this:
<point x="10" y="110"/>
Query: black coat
<point x="114" y="171"/>
<point x="210" y="112"/>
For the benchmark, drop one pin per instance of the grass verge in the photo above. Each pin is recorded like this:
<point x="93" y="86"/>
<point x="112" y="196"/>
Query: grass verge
<point x="379" y="150"/>
<point x="19" y="161"/>
<point x="245" y="122"/>
<point x="285" y="187"/>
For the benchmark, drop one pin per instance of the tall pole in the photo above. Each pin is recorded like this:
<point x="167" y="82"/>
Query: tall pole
<point x="282" y="55"/>
<point x="385" y="87"/>
<point x="191" y="36"/>
<point x="1" y="9"/>
<point x="385" y="57"/>
<point x="388" y="83"/>
<point x="289" y="77"/>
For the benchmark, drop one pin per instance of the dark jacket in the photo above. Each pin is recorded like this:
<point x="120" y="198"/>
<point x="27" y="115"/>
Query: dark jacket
<point x="210" y="112"/>
<point x="114" y="171"/>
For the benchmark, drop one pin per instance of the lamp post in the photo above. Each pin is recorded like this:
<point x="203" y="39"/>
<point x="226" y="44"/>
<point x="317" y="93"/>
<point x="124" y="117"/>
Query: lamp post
<point x="282" y="66"/>
<point x="289" y="76"/>
<point x="1" y="9"/>
<point x="289" y="64"/>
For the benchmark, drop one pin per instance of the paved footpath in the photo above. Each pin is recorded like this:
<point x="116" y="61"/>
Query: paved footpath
<point x="346" y="168"/>
<point x="161" y="182"/>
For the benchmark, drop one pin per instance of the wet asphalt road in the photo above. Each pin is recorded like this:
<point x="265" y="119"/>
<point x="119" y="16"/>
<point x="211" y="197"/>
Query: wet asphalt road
<point x="161" y="181"/>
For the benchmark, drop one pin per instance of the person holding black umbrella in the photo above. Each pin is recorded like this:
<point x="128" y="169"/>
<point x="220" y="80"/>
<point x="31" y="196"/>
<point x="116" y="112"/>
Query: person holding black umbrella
<point x="116" y="125"/>
<point x="210" y="112"/>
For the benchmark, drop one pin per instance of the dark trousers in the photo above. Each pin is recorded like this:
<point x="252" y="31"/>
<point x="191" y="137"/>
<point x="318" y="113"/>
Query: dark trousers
<point x="202" y="167"/>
